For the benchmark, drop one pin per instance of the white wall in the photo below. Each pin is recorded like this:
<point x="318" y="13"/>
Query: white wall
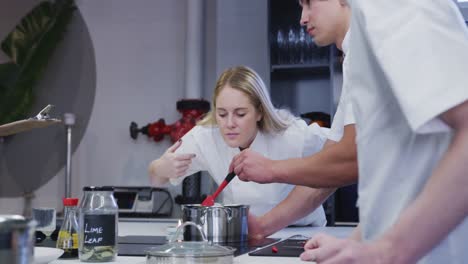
<point x="242" y="35"/>
<point x="139" y="49"/>
<point x="140" y="55"/>
<point x="236" y="34"/>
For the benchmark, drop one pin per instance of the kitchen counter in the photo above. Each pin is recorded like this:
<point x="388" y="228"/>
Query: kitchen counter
<point x="159" y="228"/>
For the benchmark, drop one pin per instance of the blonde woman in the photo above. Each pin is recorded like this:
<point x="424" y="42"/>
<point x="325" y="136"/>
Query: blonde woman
<point x="243" y="116"/>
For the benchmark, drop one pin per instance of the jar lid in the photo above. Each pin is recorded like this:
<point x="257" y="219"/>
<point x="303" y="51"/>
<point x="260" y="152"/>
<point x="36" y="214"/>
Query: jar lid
<point x="70" y="201"/>
<point x="191" y="249"/>
<point x="8" y="222"/>
<point x="98" y="189"/>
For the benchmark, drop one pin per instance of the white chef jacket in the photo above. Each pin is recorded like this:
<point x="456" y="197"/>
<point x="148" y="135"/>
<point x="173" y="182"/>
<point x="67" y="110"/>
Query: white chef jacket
<point x="408" y="65"/>
<point x="214" y="155"/>
<point x="344" y="113"/>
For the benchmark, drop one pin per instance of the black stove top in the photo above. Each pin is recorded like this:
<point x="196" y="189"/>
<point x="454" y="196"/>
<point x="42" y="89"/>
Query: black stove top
<point x="138" y="245"/>
<point x="251" y="245"/>
<point x="290" y="247"/>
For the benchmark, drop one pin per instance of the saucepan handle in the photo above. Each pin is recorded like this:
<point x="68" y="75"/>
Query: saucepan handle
<point x="203" y="215"/>
<point x="181" y="229"/>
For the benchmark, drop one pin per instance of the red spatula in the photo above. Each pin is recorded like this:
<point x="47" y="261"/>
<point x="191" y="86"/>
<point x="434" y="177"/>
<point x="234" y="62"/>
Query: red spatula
<point x="209" y="200"/>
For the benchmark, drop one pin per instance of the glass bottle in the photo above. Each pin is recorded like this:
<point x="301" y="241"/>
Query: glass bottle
<point x="68" y="234"/>
<point x="98" y="225"/>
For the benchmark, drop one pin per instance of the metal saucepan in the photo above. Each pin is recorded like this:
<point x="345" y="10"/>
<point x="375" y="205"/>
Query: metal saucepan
<point x="176" y="252"/>
<point x="16" y="239"/>
<point x="238" y="226"/>
<point x="221" y="223"/>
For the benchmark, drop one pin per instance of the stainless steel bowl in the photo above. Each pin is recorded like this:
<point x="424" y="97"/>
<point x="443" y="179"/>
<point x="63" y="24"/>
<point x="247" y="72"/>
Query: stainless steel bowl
<point x="16" y="239"/>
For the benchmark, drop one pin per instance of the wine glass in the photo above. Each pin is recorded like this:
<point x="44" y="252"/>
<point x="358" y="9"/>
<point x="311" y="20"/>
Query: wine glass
<point x="292" y="45"/>
<point x="46" y="220"/>
<point x="281" y="46"/>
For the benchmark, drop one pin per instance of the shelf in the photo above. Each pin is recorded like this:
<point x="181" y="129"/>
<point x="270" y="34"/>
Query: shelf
<point x="300" y="71"/>
<point x="290" y="83"/>
<point x="306" y="66"/>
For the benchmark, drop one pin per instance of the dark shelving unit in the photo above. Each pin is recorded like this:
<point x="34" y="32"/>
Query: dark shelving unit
<point x="322" y="63"/>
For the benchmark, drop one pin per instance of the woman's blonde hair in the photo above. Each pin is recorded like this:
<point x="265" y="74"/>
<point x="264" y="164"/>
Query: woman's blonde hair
<point x="246" y="80"/>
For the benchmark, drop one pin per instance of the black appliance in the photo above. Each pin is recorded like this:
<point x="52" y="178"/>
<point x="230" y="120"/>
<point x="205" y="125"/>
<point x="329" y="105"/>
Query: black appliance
<point x="143" y="201"/>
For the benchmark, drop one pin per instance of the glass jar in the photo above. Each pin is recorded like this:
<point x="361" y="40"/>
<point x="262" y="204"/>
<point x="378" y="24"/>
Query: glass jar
<point x="98" y="225"/>
<point x="68" y="234"/>
<point x="16" y="239"/>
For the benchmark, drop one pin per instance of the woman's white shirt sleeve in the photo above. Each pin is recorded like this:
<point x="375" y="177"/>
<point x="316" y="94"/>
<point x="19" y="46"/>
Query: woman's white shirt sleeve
<point x="315" y="137"/>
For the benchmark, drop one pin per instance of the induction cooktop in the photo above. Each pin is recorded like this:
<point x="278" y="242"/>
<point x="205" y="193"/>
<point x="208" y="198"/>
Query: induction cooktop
<point x="290" y="247"/>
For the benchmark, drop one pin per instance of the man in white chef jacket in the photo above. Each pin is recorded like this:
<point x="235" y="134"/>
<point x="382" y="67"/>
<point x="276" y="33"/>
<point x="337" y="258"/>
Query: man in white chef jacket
<point x="335" y="165"/>
<point x="408" y="69"/>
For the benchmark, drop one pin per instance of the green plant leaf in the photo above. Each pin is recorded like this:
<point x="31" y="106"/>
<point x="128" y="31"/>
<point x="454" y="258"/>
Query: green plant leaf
<point x="30" y="46"/>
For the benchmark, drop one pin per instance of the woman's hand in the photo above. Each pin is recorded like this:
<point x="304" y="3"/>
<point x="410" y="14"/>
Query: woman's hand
<point x="170" y="165"/>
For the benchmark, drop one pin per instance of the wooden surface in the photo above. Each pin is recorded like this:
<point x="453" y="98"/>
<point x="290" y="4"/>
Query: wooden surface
<point x="25" y="125"/>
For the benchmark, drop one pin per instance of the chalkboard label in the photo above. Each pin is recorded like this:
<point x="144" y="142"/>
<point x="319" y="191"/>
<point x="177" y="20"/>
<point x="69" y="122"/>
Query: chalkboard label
<point x="99" y="230"/>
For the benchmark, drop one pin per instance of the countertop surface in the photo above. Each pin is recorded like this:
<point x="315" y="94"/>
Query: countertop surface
<point x="159" y="227"/>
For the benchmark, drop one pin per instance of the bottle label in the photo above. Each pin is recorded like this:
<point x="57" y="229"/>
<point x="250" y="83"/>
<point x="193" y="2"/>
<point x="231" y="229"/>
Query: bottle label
<point x="75" y="241"/>
<point x="99" y="230"/>
<point x="67" y="242"/>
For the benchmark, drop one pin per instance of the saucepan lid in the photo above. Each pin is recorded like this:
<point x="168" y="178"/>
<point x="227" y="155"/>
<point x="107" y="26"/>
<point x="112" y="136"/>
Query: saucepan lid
<point x="197" y="249"/>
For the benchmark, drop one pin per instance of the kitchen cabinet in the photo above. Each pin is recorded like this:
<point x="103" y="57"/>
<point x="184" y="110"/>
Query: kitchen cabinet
<point x="306" y="78"/>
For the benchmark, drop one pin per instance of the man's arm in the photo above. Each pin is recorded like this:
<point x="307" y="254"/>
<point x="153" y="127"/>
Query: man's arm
<point x="299" y="203"/>
<point x="334" y="166"/>
<point x="444" y="198"/>
<point x="356" y="234"/>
